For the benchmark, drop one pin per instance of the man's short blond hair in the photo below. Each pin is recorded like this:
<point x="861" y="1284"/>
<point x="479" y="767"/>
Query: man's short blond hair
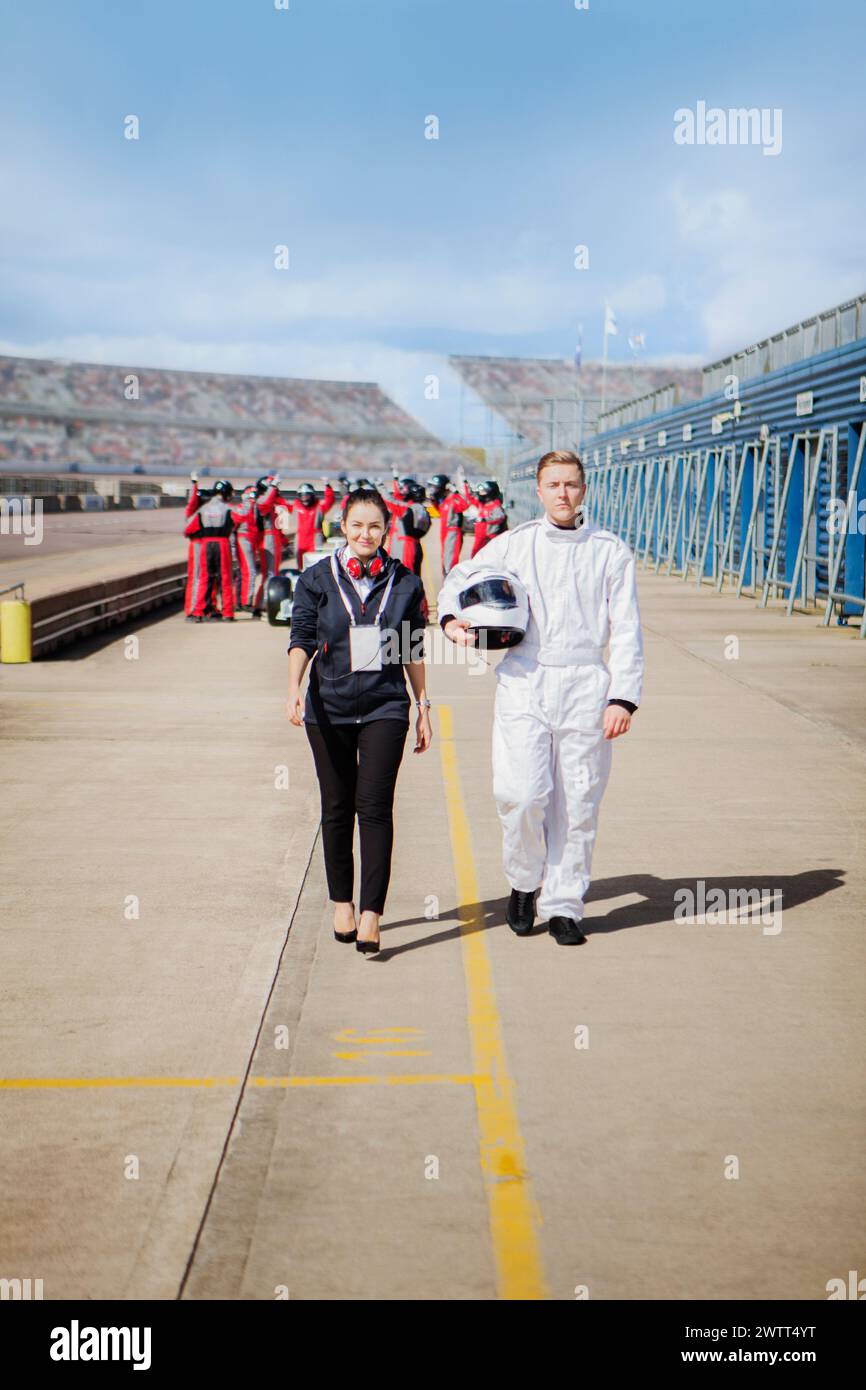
<point x="559" y="456"/>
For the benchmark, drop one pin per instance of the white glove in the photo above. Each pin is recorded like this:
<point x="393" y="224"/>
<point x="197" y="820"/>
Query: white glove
<point x="193" y="477"/>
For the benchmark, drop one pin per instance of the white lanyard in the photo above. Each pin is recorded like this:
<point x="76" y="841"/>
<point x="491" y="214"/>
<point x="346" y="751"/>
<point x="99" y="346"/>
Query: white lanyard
<point x="378" y="618"/>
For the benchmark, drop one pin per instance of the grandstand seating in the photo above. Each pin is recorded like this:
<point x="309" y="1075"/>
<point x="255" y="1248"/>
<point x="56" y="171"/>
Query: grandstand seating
<point x="77" y="415"/>
<point x="530" y="393"/>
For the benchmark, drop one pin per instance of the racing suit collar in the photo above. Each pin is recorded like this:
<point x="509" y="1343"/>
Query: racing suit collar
<point x="563" y="533"/>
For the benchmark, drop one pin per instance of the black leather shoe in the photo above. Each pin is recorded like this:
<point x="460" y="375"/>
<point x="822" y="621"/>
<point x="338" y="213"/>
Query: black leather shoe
<point x="346" y="935"/>
<point x="520" y="913"/>
<point x="367" y="947"/>
<point x="566" y="931"/>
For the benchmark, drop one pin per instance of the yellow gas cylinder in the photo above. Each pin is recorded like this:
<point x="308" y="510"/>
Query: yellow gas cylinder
<point x="15" y="636"/>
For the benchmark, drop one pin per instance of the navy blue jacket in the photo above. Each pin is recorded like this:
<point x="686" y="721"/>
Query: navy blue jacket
<point x="320" y="626"/>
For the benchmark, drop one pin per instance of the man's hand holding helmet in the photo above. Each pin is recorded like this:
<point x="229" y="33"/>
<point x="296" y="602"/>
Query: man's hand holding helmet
<point x="460" y="632"/>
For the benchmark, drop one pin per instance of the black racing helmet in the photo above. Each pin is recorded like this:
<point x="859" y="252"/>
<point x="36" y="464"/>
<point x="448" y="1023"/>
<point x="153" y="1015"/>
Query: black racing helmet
<point x="488" y="491"/>
<point x="437" y="486"/>
<point x="262" y="484"/>
<point x="223" y="489"/>
<point x="404" y="487"/>
<point x="418" y="493"/>
<point x="307" y="495"/>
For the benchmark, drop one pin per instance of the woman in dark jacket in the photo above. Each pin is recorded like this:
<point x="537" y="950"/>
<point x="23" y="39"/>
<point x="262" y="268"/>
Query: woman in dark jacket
<point x="361" y="616"/>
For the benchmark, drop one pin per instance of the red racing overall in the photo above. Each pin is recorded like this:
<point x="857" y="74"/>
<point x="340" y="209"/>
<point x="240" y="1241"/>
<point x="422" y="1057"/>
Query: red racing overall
<point x="212" y="526"/>
<point x="401" y="543"/>
<point x="250" y="531"/>
<point x="309" y="521"/>
<point x="492" y="521"/>
<point x="193" y="557"/>
<point x="451" y="510"/>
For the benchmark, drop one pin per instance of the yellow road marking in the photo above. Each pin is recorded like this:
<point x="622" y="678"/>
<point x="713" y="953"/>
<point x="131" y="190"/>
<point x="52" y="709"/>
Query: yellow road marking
<point x="379" y="1042"/>
<point x="78" y="1083"/>
<point x="375" y="1052"/>
<point x="74" y="1083"/>
<point x="404" y="1079"/>
<point x="512" y="1209"/>
<point x="374" y="1035"/>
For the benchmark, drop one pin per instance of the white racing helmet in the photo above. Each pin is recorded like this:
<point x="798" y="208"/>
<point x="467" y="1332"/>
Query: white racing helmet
<point x="496" y="606"/>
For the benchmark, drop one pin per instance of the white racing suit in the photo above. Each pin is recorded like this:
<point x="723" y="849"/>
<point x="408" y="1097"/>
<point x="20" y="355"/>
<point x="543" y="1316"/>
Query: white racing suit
<point x="551" y="762"/>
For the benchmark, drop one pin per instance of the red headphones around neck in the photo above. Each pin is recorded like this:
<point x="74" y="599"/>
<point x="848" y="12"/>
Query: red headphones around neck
<point x="357" y="569"/>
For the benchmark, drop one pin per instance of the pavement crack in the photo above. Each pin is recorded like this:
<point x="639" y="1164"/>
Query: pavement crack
<point x="246" y="1076"/>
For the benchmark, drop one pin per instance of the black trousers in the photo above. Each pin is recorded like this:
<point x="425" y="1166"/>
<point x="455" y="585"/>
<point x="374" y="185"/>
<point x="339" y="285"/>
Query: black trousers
<point x="357" y="767"/>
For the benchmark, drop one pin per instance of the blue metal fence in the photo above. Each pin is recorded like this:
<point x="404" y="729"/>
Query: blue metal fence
<point x="759" y="488"/>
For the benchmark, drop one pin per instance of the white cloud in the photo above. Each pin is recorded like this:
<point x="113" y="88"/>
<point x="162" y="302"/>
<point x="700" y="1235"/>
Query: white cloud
<point x="718" y="214"/>
<point x="212" y="297"/>
<point x="644" y="294"/>
<point x="759" y="263"/>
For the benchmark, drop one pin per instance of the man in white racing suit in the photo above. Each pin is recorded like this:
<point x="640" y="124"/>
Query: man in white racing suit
<point x="558" y="705"/>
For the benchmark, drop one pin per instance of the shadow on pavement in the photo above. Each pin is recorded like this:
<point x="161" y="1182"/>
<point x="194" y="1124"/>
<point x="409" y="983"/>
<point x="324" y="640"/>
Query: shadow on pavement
<point x="659" y="903"/>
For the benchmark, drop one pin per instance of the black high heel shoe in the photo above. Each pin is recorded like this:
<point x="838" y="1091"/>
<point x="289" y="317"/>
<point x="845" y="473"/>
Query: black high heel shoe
<point x="367" y="948"/>
<point x="346" y="935"/>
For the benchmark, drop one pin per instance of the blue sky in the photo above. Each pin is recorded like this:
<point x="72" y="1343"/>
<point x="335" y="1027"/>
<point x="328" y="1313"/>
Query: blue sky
<point x="305" y="127"/>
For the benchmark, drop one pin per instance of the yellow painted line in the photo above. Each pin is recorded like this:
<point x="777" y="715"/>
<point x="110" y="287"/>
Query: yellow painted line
<point x="372" y="1035"/>
<point x="75" y="1083"/>
<point x="396" y="1079"/>
<point x="513" y="1213"/>
<point x="78" y="1083"/>
<point x="375" y="1052"/>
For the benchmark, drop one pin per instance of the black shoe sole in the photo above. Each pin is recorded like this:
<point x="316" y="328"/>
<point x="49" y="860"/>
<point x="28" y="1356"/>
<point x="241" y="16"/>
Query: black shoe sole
<point x="522" y="931"/>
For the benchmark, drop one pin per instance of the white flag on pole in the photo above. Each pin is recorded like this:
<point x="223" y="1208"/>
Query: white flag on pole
<point x="609" y="320"/>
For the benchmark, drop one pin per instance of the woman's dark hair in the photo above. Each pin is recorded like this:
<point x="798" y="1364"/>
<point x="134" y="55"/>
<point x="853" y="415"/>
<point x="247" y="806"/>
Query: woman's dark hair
<point x="368" y="494"/>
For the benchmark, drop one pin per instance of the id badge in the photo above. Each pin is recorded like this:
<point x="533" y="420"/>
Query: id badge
<point x="365" y="648"/>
